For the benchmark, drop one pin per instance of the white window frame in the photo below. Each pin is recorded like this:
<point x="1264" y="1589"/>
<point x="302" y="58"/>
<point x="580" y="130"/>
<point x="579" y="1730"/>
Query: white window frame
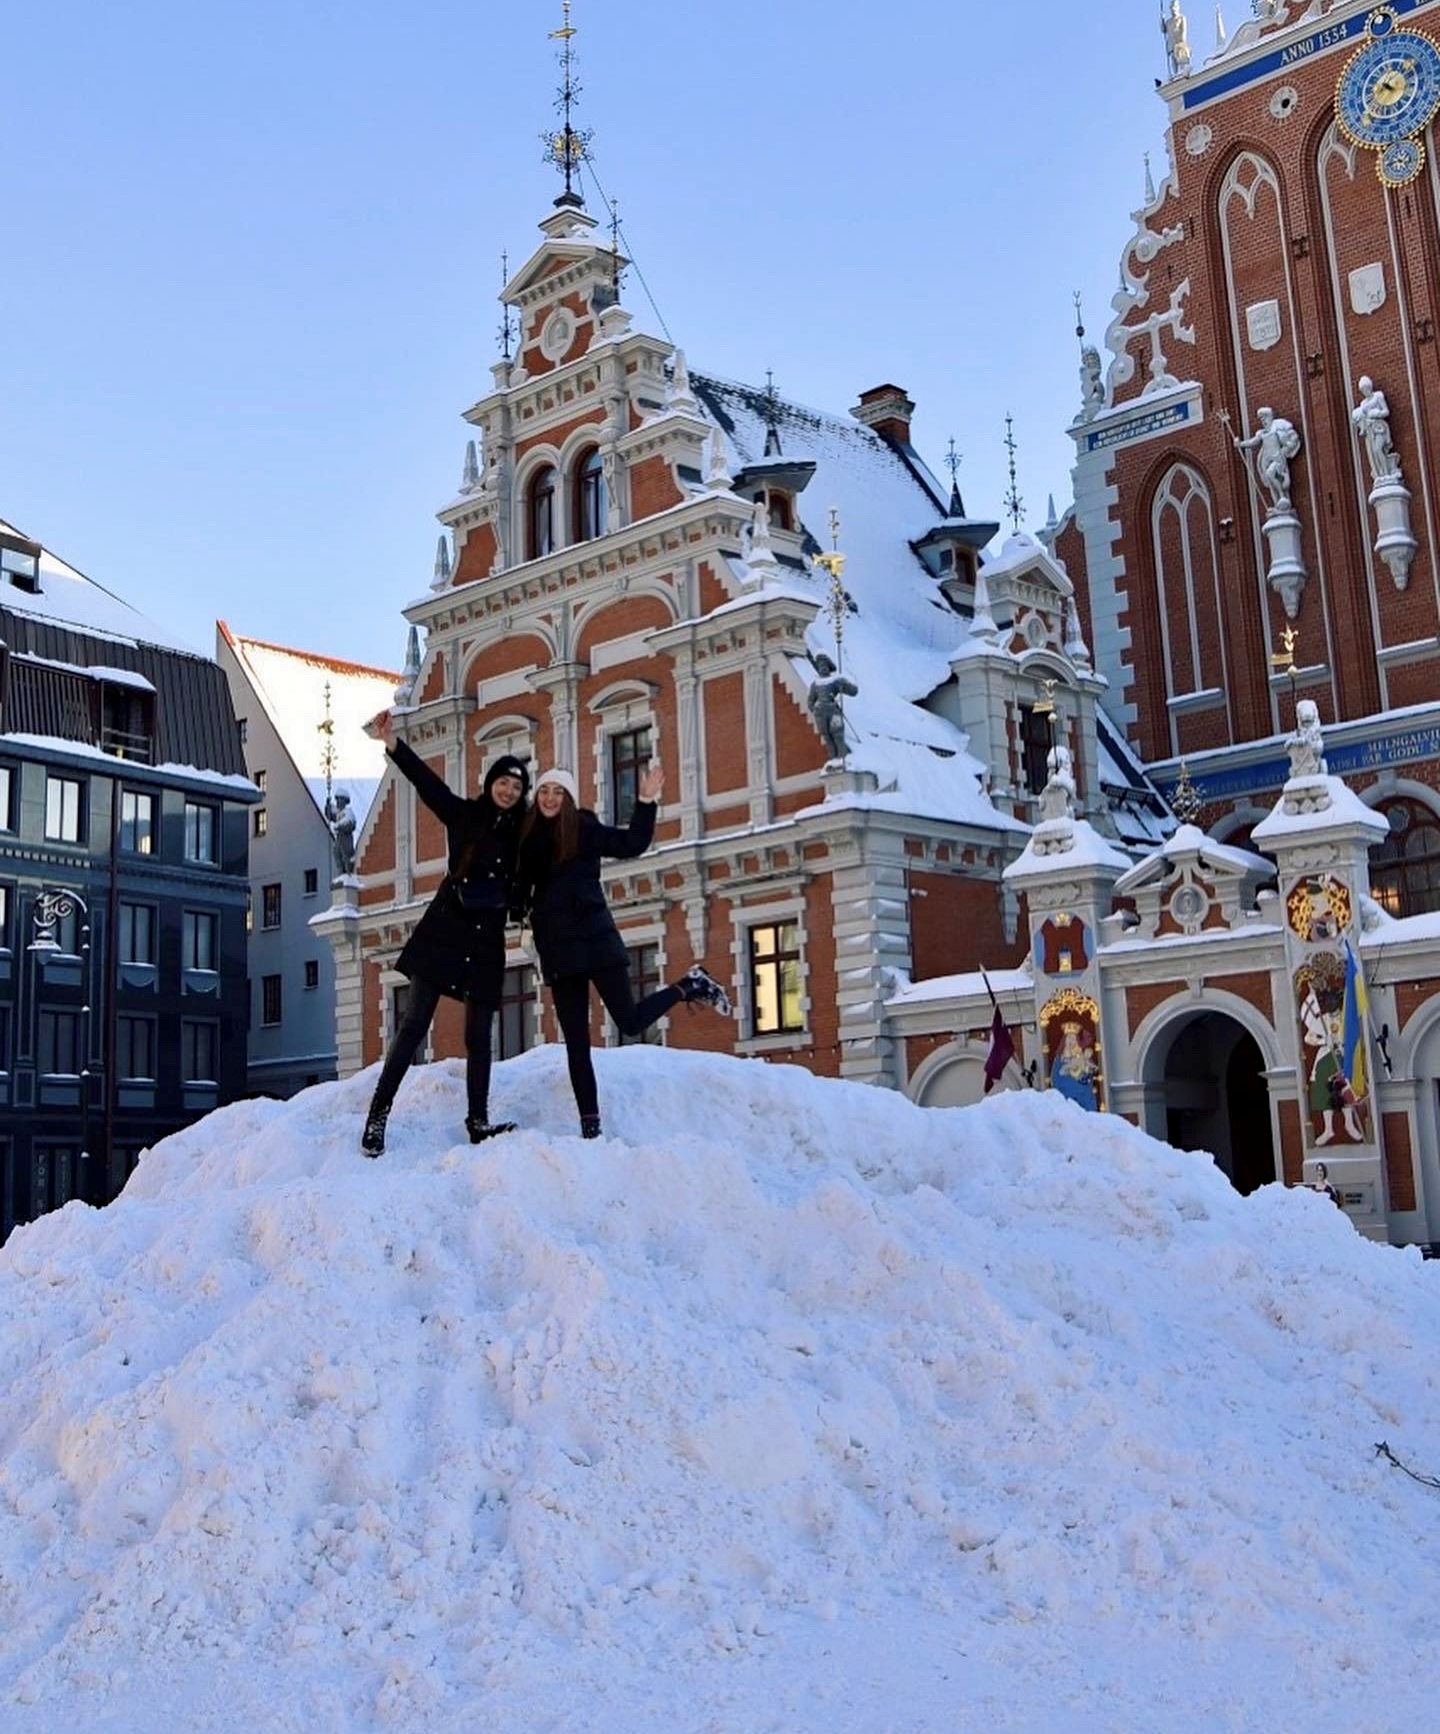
<point x="749" y="916"/>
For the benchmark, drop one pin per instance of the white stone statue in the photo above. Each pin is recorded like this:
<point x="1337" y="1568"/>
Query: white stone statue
<point x="1278" y="442"/>
<point x="1092" y="383"/>
<point x="1057" y="796"/>
<point x="1177" y="40"/>
<point x="1371" y="417"/>
<point x="1307" y="744"/>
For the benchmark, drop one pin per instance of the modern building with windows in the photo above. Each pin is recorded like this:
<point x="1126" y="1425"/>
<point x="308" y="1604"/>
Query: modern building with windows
<point x="123" y="832"/>
<point x="300" y="715"/>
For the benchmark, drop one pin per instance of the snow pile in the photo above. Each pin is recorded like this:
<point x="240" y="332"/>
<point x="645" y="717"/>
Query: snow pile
<point x="784" y="1406"/>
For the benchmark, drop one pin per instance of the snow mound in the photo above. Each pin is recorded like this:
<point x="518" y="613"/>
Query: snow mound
<point x="785" y="1405"/>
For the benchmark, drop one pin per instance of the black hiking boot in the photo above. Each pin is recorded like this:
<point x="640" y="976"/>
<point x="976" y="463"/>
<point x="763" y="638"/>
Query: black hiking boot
<point x="372" y="1139"/>
<point x="699" y="987"/>
<point x="589" y="1125"/>
<point x="479" y="1128"/>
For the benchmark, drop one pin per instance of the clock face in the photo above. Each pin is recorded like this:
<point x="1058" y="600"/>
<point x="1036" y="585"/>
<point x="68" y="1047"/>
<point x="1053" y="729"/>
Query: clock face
<point x="1390" y="89"/>
<point x="1399" y="163"/>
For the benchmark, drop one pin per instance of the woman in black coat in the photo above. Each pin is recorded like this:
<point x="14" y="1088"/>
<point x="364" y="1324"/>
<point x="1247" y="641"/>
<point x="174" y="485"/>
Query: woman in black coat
<point x="561" y="847"/>
<point x="458" y="947"/>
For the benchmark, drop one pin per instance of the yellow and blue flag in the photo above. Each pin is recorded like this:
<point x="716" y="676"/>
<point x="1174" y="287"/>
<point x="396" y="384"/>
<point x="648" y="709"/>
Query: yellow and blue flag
<point x="1357" y="1016"/>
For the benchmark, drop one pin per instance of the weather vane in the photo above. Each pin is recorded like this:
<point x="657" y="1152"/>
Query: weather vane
<point x="567" y="148"/>
<point x="953" y="460"/>
<point x="327" y="753"/>
<point x="1014" y="505"/>
<point x="1079" y="320"/>
<point x="507" y="324"/>
<point x="838" y="600"/>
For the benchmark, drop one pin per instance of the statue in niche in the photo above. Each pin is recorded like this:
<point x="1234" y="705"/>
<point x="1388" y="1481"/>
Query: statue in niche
<point x="1176" y="31"/>
<point x="1275" y="443"/>
<point x="342" y="832"/>
<point x="825" y="702"/>
<point x="1371" y="417"/>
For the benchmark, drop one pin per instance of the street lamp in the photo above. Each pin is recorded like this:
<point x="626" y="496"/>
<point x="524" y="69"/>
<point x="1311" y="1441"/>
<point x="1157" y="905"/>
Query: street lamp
<point x="51" y="908"/>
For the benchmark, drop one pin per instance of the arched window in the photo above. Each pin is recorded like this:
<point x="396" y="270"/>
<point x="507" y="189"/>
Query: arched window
<point x="1405" y="868"/>
<point x="540" y="512"/>
<point x="591" y="505"/>
<point x="781" y="515"/>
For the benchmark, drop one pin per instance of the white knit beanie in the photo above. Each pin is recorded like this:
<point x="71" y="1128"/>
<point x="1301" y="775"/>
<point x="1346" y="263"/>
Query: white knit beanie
<point x="562" y="780"/>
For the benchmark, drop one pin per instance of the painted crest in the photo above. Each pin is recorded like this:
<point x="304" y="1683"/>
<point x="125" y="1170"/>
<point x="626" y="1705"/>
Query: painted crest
<point x="1367" y="288"/>
<point x="1262" y="324"/>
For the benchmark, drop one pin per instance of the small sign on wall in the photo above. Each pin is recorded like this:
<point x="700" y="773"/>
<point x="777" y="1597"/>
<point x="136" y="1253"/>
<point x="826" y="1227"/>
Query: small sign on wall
<point x="1262" y="323"/>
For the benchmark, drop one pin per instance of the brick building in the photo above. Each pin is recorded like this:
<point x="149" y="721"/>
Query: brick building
<point x="1253" y="550"/>
<point x="629" y="571"/>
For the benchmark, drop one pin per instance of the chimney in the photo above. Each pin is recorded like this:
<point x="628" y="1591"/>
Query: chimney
<point x="886" y="409"/>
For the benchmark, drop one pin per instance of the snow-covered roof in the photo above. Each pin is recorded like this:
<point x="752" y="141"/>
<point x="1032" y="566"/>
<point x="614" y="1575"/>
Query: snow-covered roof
<point x="970" y="984"/>
<point x="1087" y="848"/>
<point x="291" y="686"/>
<point x="899" y="643"/>
<point x="1344" y="807"/>
<point x="1190" y="841"/>
<point x="69" y="598"/>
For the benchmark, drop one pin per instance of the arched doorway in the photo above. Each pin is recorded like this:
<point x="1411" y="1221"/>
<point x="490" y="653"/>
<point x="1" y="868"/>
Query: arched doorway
<point x="1217" y="1100"/>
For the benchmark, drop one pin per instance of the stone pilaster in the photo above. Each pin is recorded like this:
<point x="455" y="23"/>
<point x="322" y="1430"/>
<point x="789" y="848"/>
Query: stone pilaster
<point x="340" y="925"/>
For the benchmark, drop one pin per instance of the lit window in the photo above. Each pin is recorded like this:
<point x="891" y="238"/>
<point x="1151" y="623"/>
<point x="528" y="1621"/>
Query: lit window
<point x="270" y="905"/>
<point x="62" y="810"/>
<point x="199" y="832"/>
<point x="198" y="932"/>
<point x="137" y="822"/>
<point x="270" y="999"/>
<point x="1405" y="868"/>
<point x="775" y="978"/>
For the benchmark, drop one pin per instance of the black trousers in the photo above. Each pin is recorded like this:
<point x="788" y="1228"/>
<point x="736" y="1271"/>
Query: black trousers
<point x="419" y="1014"/>
<point x="571" y="994"/>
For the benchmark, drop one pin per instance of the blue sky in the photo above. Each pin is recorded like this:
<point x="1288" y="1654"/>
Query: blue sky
<point x="252" y="254"/>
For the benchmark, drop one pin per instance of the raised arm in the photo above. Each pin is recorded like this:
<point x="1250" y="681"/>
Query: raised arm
<point x="434" y="791"/>
<point x="636" y="838"/>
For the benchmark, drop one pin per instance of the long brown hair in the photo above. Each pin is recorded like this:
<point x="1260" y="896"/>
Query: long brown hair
<point x="560" y="839"/>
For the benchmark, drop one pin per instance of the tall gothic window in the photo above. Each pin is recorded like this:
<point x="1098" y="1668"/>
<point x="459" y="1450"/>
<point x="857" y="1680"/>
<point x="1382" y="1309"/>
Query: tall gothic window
<point x="1405" y="868"/>
<point x="540" y="505"/>
<point x="591" y="504"/>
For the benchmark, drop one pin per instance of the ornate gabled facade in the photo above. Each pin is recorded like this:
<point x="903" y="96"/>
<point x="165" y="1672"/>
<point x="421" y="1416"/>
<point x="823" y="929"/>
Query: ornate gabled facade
<point x="636" y="565"/>
<point x="1256" y="481"/>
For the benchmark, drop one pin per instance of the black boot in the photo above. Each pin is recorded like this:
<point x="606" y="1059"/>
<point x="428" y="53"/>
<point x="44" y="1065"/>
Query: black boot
<point x="372" y="1139"/>
<point x="479" y="1128"/>
<point x="589" y="1125"/>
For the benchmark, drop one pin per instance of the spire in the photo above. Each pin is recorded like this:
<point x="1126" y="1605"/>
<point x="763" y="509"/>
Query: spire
<point x="982" y="621"/>
<point x="953" y="460"/>
<point x="1149" y="182"/>
<point x="1219" y="30"/>
<point x="406" y="689"/>
<point x="771" y="411"/>
<point x="678" y="395"/>
<point x="1075" y="646"/>
<point x="1014" y="505"/>
<point x="470" y="475"/>
<point x="717" y="464"/>
<point x="567" y="148"/>
<point x="1051" y="521"/>
<point x="441" y="579"/>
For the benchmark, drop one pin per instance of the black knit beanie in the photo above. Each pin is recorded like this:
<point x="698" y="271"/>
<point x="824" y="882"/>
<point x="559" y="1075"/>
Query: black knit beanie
<point x="507" y="765"/>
